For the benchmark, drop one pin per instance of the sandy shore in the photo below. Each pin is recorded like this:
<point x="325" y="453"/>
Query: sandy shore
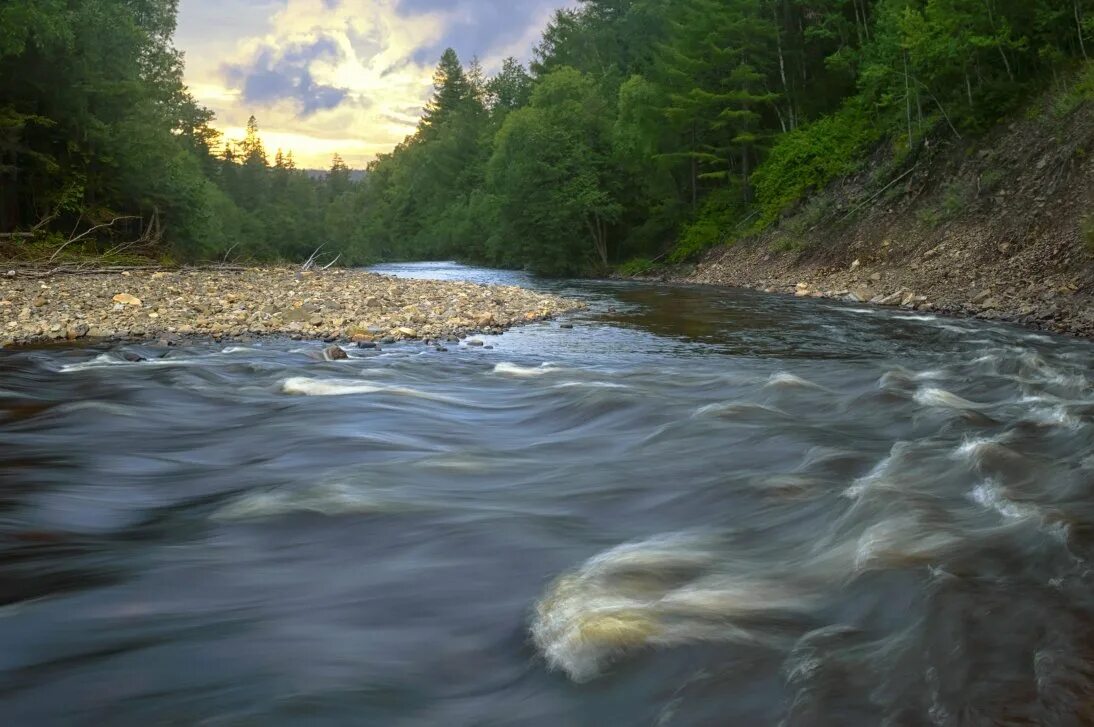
<point x="331" y="305"/>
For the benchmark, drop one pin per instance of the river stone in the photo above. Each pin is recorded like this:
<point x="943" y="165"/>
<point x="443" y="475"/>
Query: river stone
<point x="335" y="353"/>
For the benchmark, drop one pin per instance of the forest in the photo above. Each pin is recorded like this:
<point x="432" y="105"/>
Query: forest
<point x="640" y="130"/>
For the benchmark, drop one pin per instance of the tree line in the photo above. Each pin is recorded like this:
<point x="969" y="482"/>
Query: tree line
<point x="98" y="134"/>
<point x="639" y="127"/>
<point x="643" y="126"/>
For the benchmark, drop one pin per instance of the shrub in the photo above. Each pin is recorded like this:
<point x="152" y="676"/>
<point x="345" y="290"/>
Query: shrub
<point x="1080" y="92"/>
<point x="635" y="266"/>
<point x="954" y="198"/>
<point x="812" y="156"/>
<point x="715" y="225"/>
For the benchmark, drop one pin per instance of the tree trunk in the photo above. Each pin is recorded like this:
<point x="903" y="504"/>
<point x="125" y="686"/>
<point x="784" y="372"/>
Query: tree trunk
<point x="1003" y="53"/>
<point x="782" y="68"/>
<point x="746" y="170"/>
<point x="1079" y="27"/>
<point x="600" y="238"/>
<point x="858" y="24"/>
<point x="907" y="98"/>
<point x="694" y="183"/>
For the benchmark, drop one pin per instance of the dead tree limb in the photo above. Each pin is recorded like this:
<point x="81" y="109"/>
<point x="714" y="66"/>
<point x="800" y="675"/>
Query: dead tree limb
<point x="310" y="262"/>
<point x="84" y="234"/>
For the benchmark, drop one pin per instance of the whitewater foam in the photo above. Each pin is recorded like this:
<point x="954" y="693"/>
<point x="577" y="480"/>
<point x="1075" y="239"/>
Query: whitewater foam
<point x="789" y="380"/>
<point x="990" y="495"/>
<point x="659" y="592"/>
<point x="737" y="409"/>
<point x="880" y="475"/>
<point x="901" y="541"/>
<point x="105" y="360"/>
<point x="327" y="387"/>
<point x="332" y="498"/>
<point x="933" y="396"/>
<point x="589" y="385"/>
<point x="304" y="386"/>
<point x="511" y="369"/>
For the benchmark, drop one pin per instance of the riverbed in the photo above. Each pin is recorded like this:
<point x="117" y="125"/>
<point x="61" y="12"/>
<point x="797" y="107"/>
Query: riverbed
<point x="695" y="506"/>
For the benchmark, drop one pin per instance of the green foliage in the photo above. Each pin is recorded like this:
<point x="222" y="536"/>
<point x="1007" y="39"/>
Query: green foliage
<point x="929" y="217"/>
<point x="641" y="126"/>
<point x="550" y="172"/>
<point x="1078" y="93"/>
<point x="954" y="198"/>
<point x="716" y="221"/>
<point x="809" y="158"/>
<point x="97" y="127"/>
<point x="635" y="267"/>
<point x="990" y="180"/>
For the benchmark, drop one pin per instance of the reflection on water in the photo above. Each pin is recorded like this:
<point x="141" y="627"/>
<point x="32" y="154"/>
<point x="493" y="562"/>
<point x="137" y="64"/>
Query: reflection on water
<point x="695" y="507"/>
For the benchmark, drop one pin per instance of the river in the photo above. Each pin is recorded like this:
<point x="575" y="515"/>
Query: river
<point x="695" y="507"/>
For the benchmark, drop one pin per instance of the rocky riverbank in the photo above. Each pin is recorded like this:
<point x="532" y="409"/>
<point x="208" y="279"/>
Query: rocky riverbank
<point x="938" y="279"/>
<point x="332" y="305"/>
<point x="1000" y="228"/>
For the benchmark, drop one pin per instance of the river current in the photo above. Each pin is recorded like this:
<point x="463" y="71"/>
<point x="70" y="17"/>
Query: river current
<point x="696" y="507"/>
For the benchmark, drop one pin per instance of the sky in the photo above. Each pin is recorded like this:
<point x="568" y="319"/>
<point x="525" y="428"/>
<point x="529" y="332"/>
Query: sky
<point x="345" y="76"/>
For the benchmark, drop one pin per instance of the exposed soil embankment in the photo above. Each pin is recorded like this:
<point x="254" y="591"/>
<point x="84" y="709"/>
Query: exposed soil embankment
<point x="999" y="229"/>
<point x="332" y="304"/>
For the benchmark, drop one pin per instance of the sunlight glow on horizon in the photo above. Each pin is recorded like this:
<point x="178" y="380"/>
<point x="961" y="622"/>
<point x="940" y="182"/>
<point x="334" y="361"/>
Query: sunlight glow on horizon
<point x="336" y="76"/>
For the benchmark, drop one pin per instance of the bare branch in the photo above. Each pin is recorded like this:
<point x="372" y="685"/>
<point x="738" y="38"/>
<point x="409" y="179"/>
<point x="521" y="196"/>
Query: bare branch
<point x="229" y="252"/>
<point x="86" y="233"/>
<point x="310" y="262"/>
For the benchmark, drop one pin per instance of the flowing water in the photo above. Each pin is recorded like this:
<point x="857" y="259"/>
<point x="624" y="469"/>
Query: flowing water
<point x="696" y="507"/>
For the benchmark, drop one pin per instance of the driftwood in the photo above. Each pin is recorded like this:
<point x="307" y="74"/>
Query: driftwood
<point x="87" y="232"/>
<point x="32" y="270"/>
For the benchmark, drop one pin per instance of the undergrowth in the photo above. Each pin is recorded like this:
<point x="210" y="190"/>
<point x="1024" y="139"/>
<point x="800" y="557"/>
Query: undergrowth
<point x="636" y="266"/>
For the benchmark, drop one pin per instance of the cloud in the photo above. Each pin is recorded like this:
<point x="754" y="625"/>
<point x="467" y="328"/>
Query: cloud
<point x="282" y="73"/>
<point x="340" y="75"/>
<point x="482" y="28"/>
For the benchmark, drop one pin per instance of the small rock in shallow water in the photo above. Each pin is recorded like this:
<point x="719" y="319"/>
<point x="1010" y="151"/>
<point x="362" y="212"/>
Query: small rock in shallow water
<point x="335" y="353"/>
<point x="132" y="357"/>
<point x="567" y="326"/>
<point x="475" y="342"/>
<point x="366" y="344"/>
